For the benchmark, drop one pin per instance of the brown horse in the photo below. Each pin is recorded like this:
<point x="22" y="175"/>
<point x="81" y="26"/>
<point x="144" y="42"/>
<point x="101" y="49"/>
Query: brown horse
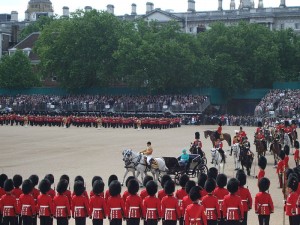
<point x="260" y="148"/>
<point x="275" y="148"/>
<point x="211" y="134"/>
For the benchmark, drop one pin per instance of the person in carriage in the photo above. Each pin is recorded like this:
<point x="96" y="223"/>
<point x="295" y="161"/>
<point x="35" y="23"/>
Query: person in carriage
<point x="219" y="147"/>
<point x="148" y="153"/>
<point x="197" y="144"/>
<point x="184" y="159"/>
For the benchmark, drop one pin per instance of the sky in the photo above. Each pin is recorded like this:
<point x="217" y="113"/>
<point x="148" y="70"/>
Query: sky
<point x="124" y="6"/>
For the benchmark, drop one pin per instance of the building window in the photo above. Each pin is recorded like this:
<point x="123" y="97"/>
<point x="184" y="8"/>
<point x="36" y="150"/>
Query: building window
<point x="282" y="26"/>
<point x="297" y="25"/>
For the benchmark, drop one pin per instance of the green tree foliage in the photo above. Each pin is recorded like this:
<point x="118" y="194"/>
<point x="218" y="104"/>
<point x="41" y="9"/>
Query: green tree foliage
<point x="16" y="72"/>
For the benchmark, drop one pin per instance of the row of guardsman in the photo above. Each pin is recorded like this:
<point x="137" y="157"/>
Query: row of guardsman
<point x="212" y="200"/>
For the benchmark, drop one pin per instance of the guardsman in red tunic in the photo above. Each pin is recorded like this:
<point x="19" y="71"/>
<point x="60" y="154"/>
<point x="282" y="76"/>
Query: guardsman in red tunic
<point x="296" y="156"/>
<point x="286" y="150"/>
<point x="133" y="204"/>
<point x="201" y="182"/>
<point x="110" y="179"/>
<point x="259" y="128"/>
<point x="144" y="193"/>
<point x="61" y="204"/>
<point x="263" y="203"/>
<point x="67" y="192"/>
<point x="169" y="205"/>
<point x="262" y="163"/>
<point x="50" y="177"/>
<point x="126" y="192"/>
<point x="233" y="211"/>
<point x="27" y="203"/>
<point x="17" y="179"/>
<point x="186" y="199"/>
<point x="161" y="193"/>
<point x="244" y="193"/>
<point x="35" y="192"/>
<point x="280" y="168"/>
<point x="85" y="194"/>
<point x="151" y="205"/>
<point x="211" y="204"/>
<point x="95" y="178"/>
<point x="97" y="210"/>
<point x="115" y="204"/>
<point x="291" y="201"/>
<point x="181" y="193"/>
<point x="195" y="213"/>
<point x="220" y="192"/>
<point x="80" y="204"/>
<point x="3" y="178"/>
<point x="44" y="204"/>
<point x="198" y="144"/>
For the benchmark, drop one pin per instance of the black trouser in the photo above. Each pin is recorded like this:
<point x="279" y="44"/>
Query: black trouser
<point x="245" y="218"/>
<point x="263" y="219"/>
<point x="116" y="222"/>
<point x="62" y="221"/>
<point x="294" y="220"/>
<point x="232" y="222"/>
<point x="212" y="222"/>
<point x="80" y="220"/>
<point x="133" y="221"/>
<point x="45" y="220"/>
<point x="151" y="222"/>
<point x="18" y="220"/>
<point x="1" y="222"/>
<point x="222" y="221"/>
<point x="26" y="220"/>
<point x="9" y="220"/>
<point x="170" y="222"/>
<point x="181" y="220"/>
<point x="97" y="222"/>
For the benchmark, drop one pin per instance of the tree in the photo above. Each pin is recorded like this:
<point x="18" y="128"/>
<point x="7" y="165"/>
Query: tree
<point x="16" y="72"/>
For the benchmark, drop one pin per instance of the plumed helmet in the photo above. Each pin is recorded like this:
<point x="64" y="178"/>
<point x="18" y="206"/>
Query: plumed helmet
<point x="17" y="179"/>
<point x="65" y="177"/>
<point x="96" y="178"/>
<point x="79" y="178"/>
<point x="202" y="179"/>
<point x="8" y="185"/>
<point x="220" y="123"/>
<point x="281" y="155"/>
<point x="286" y="123"/>
<point x="221" y="180"/>
<point x="292" y="183"/>
<point x="164" y="179"/>
<point x="286" y="149"/>
<point x="296" y="144"/>
<point x="262" y="162"/>
<point x="61" y="186"/>
<point x="98" y="187"/>
<point x="3" y="178"/>
<point x="27" y="187"/>
<point x="263" y="184"/>
<point x="197" y="135"/>
<point x="195" y="193"/>
<point x="114" y="188"/>
<point x="44" y="186"/>
<point x="189" y="185"/>
<point x="112" y="178"/>
<point x="147" y="178"/>
<point x="169" y="187"/>
<point x="34" y="179"/>
<point x="242" y="178"/>
<point x="151" y="187"/>
<point x="239" y="172"/>
<point x="183" y="179"/>
<point x="210" y="185"/>
<point x="133" y="186"/>
<point x="233" y="185"/>
<point x="259" y="124"/>
<point x="212" y="173"/>
<point x="50" y="177"/>
<point x="129" y="179"/>
<point x="79" y="188"/>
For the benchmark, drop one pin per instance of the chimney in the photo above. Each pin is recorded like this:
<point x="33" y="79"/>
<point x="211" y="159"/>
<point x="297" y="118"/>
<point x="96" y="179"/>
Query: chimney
<point x="232" y="5"/>
<point x="252" y="4"/>
<point x="66" y="11"/>
<point x="88" y="8"/>
<point x="191" y="6"/>
<point x="246" y="4"/>
<point x="282" y="4"/>
<point x="14" y="16"/>
<point x="149" y="7"/>
<point x="133" y="9"/>
<point x="220" y="8"/>
<point x="260" y="4"/>
<point x="110" y="9"/>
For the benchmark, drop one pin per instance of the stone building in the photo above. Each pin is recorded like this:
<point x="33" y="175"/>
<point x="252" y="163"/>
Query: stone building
<point x="37" y="8"/>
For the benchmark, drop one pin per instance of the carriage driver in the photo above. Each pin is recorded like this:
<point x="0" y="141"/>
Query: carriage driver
<point x="148" y="152"/>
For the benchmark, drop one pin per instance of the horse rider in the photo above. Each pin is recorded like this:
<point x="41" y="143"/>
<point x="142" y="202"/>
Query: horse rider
<point x="288" y="130"/>
<point x="246" y="144"/>
<point x="260" y="136"/>
<point x="294" y="128"/>
<point x="218" y="131"/>
<point x="235" y="140"/>
<point x="258" y="130"/>
<point x="198" y="144"/>
<point x="148" y="152"/>
<point x="242" y="134"/>
<point x="219" y="147"/>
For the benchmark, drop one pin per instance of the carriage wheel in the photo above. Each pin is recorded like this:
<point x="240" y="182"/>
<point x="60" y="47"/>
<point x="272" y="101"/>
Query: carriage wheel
<point x="200" y="169"/>
<point x="204" y="160"/>
<point x="176" y="178"/>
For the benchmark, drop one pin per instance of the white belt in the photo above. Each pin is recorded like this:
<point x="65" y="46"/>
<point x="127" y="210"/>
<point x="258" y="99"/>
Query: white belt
<point x="134" y="207"/>
<point x="195" y="219"/>
<point x="232" y="208"/>
<point x="60" y="207"/>
<point x="264" y="204"/>
<point x="210" y="209"/>
<point x="170" y="209"/>
<point x="220" y="201"/>
<point x="8" y="207"/>
<point x="151" y="209"/>
<point x="244" y="200"/>
<point x="79" y="207"/>
<point x="44" y="206"/>
<point x="115" y="208"/>
<point x="26" y="205"/>
<point x="96" y="209"/>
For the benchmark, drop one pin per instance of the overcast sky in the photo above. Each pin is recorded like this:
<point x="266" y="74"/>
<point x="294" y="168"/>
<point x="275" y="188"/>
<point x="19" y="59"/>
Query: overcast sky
<point x="124" y="6"/>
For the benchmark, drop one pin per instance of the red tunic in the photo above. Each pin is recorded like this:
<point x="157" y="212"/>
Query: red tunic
<point x="185" y="202"/>
<point x="27" y="205"/>
<point x="161" y="193"/>
<point x="245" y="195"/>
<point x="85" y="194"/>
<point x="296" y="156"/>
<point x="233" y="208"/>
<point x="195" y="215"/>
<point x="35" y="193"/>
<point x="280" y="167"/>
<point x="170" y="209"/>
<point x="93" y="194"/>
<point x="61" y="206"/>
<point x="115" y="207"/>
<point x="260" y="175"/>
<point x="80" y="206"/>
<point x="44" y="205"/>
<point x="211" y="206"/>
<point x="263" y="204"/>
<point x="51" y="192"/>
<point x="220" y="193"/>
<point x="68" y="194"/>
<point x="180" y="194"/>
<point x="97" y="207"/>
<point x="17" y="193"/>
<point x="125" y="195"/>
<point x="2" y="192"/>
<point x="151" y="208"/>
<point x="133" y="207"/>
<point x="291" y="204"/>
<point x="219" y="130"/>
<point x="286" y="161"/>
<point x="8" y="205"/>
<point x="144" y="194"/>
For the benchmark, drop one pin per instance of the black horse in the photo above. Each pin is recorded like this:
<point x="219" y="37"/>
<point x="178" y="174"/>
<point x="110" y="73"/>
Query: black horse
<point x="246" y="157"/>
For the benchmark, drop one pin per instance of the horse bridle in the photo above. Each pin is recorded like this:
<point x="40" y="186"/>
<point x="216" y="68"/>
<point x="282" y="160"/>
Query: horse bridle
<point x="130" y="161"/>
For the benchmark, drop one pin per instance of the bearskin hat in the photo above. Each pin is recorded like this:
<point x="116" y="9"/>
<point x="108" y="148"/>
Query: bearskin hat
<point x="3" y="178"/>
<point x="27" y="187"/>
<point x="164" y="179"/>
<point x="221" y="180"/>
<point x="98" y="187"/>
<point x="79" y="188"/>
<point x="294" y="122"/>
<point x="8" y="185"/>
<point x="259" y="124"/>
<point x="292" y="183"/>
<point x="151" y="187"/>
<point x="195" y="193"/>
<point x="286" y="149"/>
<point x="183" y="179"/>
<point x="50" y="177"/>
<point x="129" y="179"/>
<point x="210" y="185"/>
<point x="147" y="178"/>
<point x="17" y="179"/>
<point x="65" y="177"/>
<point x="286" y="123"/>
<point x="197" y="135"/>
<point x="96" y="178"/>
<point x="239" y="172"/>
<point x="114" y="188"/>
<point x="220" y="123"/>
<point x="133" y="186"/>
<point x="202" y="179"/>
<point x="44" y="186"/>
<point x="296" y="144"/>
<point x="112" y="178"/>
<point x="263" y="184"/>
<point x="242" y="178"/>
<point x="34" y="179"/>
<point x="189" y="185"/>
<point x="262" y="162"/>
<point x="61" y="186"/>
<point x="233" y="185"/>
<point x="290" y="172"/>
<point x="212" y="173"/>
<point x="79" y="178"/>
<point x="169" y="187"/>
<point x="281" y="155"/>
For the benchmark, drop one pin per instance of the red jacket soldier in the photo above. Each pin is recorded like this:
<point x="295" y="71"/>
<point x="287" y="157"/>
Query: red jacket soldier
<point x="263" y="203"/>
<point x="286" y="159"/>
<point x="219" y="131"/>
<point x="67" y="192"/>
<point x="133" y="204"/>
<point x="126" y="192"/>
<point x="44" y="204"/>
<point x="296" y="156"/>
<point x="186" y="199"/>
<point x="280" y="168"/>
<point x="3" y="178"/>
<point x="291" y="201"/>
<point x="17" y="179"/>
<point x="61" y="204"/>
<point x="151" y="205"/>
<point x="27" y="203"/>
<point x="161" y="193"/>
<point x="211" y="204"/>
<point x="233" y="211"/>
<point x="50" y="177"/>
<point x="80" y="204"/>
<point x="110" y="179"/>
<point x="35" y="193"/>
<point x="194" y="213"/>
<point x="201" y="182"/>
<point x="95" y="178"/>
<point x="85" y="194"/>
<point x="220" y="192"/>
<point x="180" y="194"/>
<point x="144" y="192"/>
<point x="97" y="210"/>
<point x="262" y="163"/>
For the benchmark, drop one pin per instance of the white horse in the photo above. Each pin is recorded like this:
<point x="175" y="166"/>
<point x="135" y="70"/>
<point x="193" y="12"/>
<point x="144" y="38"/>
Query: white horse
<point x="287" y="141"/>
<point x="236" y="156"/>
<point x="217" y="159"/>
